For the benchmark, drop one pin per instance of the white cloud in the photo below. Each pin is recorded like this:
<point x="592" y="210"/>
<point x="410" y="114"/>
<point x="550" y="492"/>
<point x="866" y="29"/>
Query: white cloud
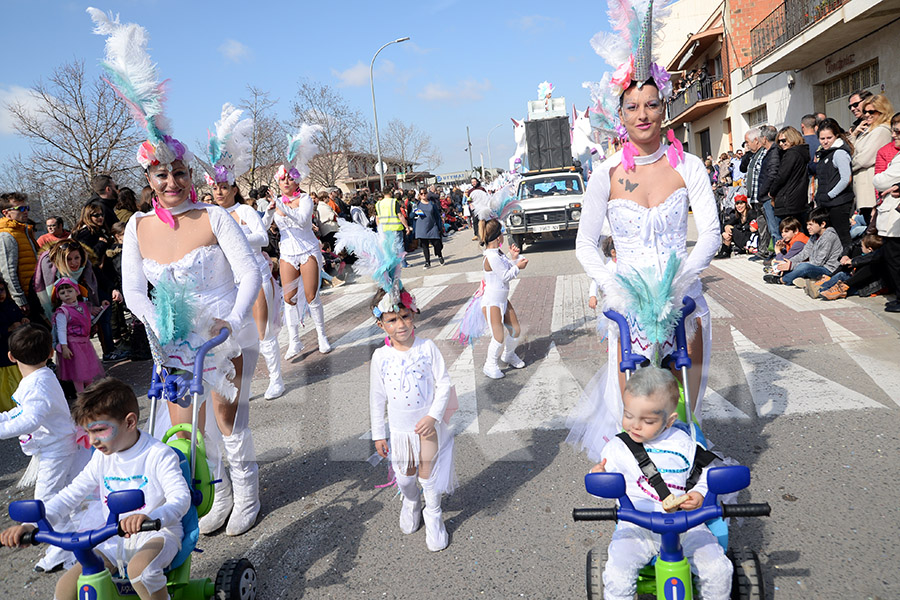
<point x="358" y="74"/>
<point x="531" y="22"/>
<point x="234" y="51"/>
<point x="12" y="95"/>
<point x="465" y="91"/>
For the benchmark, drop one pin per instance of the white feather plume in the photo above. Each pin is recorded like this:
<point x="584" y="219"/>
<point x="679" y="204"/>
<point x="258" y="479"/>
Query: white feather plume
<point x="230" y="147"/>
<point x="302" y="148"/>
<point x="498" y="204"/>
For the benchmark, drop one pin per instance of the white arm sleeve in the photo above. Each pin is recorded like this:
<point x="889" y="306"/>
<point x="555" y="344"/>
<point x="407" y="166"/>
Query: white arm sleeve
<point x="24" y="419"/>
<point x="62" y="322"/>
<point x="61" y="505"/>
<point x="706" y="214"/>
<point x="268" y="218"/>
<point x="233" y="243"/>
<point x="377" y="399"/>
<point x="889" y="177"/>
<point x="594" y="290"/>
<point x="134" y="282"/>
<point x="257" y="238"/>
<point x="441" y="383"/>
<point x="499" y="266"/>
<point x="302" y="215"/>
<point x="178" y="497"/>
<point x="591" y="226"/>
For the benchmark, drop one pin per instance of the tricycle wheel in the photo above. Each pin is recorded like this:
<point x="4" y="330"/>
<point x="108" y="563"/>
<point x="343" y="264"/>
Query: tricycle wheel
<point x="236" y="580"/>
<point x="747" y="582"/>
<point x="596" y="562"/>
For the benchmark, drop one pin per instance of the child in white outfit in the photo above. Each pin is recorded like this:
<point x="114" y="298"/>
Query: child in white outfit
<point x="650" y="410"/>
<point x="124" y="458"/>
<point x="498" y="271"/>
<point x="44" y="426"/>
<point x="409" y="376"/>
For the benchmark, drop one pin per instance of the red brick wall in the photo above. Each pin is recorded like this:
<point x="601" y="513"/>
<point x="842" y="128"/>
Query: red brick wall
<point x="743" y="15"/>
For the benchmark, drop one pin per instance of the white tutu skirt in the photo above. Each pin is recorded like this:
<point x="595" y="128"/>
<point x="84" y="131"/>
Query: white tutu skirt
<point x="597" y="417"/>
<point x="406" y="449"/>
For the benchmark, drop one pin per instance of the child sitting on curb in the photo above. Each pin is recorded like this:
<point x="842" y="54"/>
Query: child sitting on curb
<point x="859" y="274"/>
<point x="820" y="256"/>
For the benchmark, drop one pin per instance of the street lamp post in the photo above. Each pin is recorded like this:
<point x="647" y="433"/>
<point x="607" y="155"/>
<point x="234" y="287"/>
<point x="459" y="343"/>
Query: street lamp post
<point x="379" y="164"/>
<point x="491" y="160"/>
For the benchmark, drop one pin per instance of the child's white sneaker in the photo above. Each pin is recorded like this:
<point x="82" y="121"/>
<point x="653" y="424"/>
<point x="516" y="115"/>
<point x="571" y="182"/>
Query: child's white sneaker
<point x="491" y="367"/>
<point x="436" y="537"/>
<point x="509" y="355"/>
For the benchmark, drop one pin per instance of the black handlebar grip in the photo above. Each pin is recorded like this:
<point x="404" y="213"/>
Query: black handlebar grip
<point x="28" y="538"/>
<point x="595" y="514"/>
<point x="149" y="525"/>
<point x="746" y="510"/>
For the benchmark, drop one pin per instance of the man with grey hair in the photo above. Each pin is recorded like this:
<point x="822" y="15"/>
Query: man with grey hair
<point x="767" y="174"/>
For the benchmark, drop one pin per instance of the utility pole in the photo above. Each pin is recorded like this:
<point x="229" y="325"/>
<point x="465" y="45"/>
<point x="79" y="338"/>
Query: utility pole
<point x="471" y="162"/>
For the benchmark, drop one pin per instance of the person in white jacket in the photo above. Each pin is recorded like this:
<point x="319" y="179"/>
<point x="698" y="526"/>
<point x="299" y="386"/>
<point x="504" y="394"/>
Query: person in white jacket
<point x="45" y="429"/>
<point x="887" y="219"/>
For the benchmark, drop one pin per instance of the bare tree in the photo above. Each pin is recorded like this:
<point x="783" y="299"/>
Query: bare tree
<point x="319" y="104"/>
<point x="268" y="140"/>
<point x="410" y="145"/>
<point x="77" y="129"/>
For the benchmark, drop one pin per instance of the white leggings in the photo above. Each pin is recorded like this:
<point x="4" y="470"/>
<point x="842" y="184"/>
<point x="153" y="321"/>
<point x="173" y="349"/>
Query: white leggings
<point x="632" y="547"/>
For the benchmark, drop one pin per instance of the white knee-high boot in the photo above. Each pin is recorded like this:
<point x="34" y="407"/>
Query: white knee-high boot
<point x="245" y="477"/>
<point x="317" y="312"/>
<point x="509" y="355"/>
<point x="436" y="537"/>
<point x="411" y="511"/>
<point x="270" y="351"/>
<point x="292" y="321"/>
<point x="222" y="505"/>
<point x="491" y="367"/>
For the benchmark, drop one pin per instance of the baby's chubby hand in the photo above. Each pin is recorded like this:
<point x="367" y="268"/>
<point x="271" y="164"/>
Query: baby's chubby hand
<point x="599" y="467"/>
<point x="694" y="501"/>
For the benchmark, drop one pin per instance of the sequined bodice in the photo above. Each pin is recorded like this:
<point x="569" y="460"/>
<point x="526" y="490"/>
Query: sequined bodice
<point x="645" y="237"/>
<point x="200" y="270"/>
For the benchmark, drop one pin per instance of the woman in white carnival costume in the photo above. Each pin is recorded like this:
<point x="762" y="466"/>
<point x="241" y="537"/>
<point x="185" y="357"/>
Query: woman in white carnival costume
<point x="192" y="254"/>
<point x="644" y="192"/>
<point x="228" y="151"/>
<point x="301" y="256"/>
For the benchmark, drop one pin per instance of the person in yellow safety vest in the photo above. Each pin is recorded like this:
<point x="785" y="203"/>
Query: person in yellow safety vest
<point x="389" y="217"/>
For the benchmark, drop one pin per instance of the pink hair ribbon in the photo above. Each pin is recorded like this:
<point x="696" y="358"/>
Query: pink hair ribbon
<point x="629" y="151"/>
<point x="675" y="152"/>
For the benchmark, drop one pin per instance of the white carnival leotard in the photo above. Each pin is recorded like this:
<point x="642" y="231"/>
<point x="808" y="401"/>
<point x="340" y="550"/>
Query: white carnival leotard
<point x="496" y="281"/>
<point x="298" y="241"/>
<point x="256" y="233"/>
<point x="208" y="274"/>
<point x="411" y="385"/>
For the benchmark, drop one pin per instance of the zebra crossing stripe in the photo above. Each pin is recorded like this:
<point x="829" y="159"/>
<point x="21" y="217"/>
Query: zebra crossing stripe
<point x="882" y="371"/>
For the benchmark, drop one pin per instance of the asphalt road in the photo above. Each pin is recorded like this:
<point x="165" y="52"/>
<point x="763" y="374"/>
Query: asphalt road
<point x="806" y="395"/>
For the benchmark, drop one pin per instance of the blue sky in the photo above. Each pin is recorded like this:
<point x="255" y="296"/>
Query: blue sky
<point x="468" y="63"/>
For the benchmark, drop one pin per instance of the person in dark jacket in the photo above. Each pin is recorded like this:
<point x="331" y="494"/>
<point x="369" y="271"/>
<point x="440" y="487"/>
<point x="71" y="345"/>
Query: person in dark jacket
<point x="106" y="194"/>
<point x="739" y="229"/>
<point x="429" y="227"/>
<point x="834" y="174"/>
<point x="93" y="232"/>
<point x="789" y="188"/>
<point x="769" y="170"/>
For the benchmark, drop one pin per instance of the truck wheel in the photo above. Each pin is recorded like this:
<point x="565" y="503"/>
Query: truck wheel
<point x="596" y="562"/>
<point x="519" y="240"/>
<point x="236" y="580"/>
<point x="747" y="582"/>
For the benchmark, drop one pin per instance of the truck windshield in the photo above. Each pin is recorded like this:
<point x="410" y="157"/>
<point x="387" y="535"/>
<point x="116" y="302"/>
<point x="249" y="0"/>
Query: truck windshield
<point x="550" y="186"/>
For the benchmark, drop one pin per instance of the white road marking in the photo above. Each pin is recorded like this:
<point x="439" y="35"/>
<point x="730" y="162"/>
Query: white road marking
<point x="438" y="279"/>
<point x="367" y="332"/>
<point x="546" y="400"/>
<point x="462" y="374"/>
<point x="332" y="310"/>
<point x="717" y="407"/>
<point x="788" y="295"/>
<point x="716" y="310"/>
<point x="780" y="387"/>
<point x="884" y="372"/>
<point x="570" y="303"/>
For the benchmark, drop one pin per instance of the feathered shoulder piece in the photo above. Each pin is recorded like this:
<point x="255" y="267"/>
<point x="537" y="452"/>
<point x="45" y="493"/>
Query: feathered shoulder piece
<point x="499" y="203"/>
<point x="379" y="256"/>
<point x="605" y="108"/>
<point x="629" y="48"/>
<point x="300" y="150"/>
<point x="133" y="75"/>
<point x="229" y="148"/>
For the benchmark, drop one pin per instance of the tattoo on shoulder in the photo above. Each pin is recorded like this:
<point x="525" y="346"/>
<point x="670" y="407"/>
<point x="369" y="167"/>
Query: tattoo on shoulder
<point x="629" y="187"/>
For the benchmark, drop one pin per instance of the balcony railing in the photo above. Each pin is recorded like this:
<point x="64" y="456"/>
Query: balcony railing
<point x="694" y="93"/>
<point x="787" y="21"/>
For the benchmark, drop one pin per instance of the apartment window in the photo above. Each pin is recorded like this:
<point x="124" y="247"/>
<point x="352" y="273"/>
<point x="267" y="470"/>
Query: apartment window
<point x="757" y="116"/>
<point x="860" y="79"/>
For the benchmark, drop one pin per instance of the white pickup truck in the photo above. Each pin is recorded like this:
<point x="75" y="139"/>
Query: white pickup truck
<point x="550" y="206"/>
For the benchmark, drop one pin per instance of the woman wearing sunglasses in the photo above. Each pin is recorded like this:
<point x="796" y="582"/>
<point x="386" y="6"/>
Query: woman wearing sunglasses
<point x="876" y="112"/>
